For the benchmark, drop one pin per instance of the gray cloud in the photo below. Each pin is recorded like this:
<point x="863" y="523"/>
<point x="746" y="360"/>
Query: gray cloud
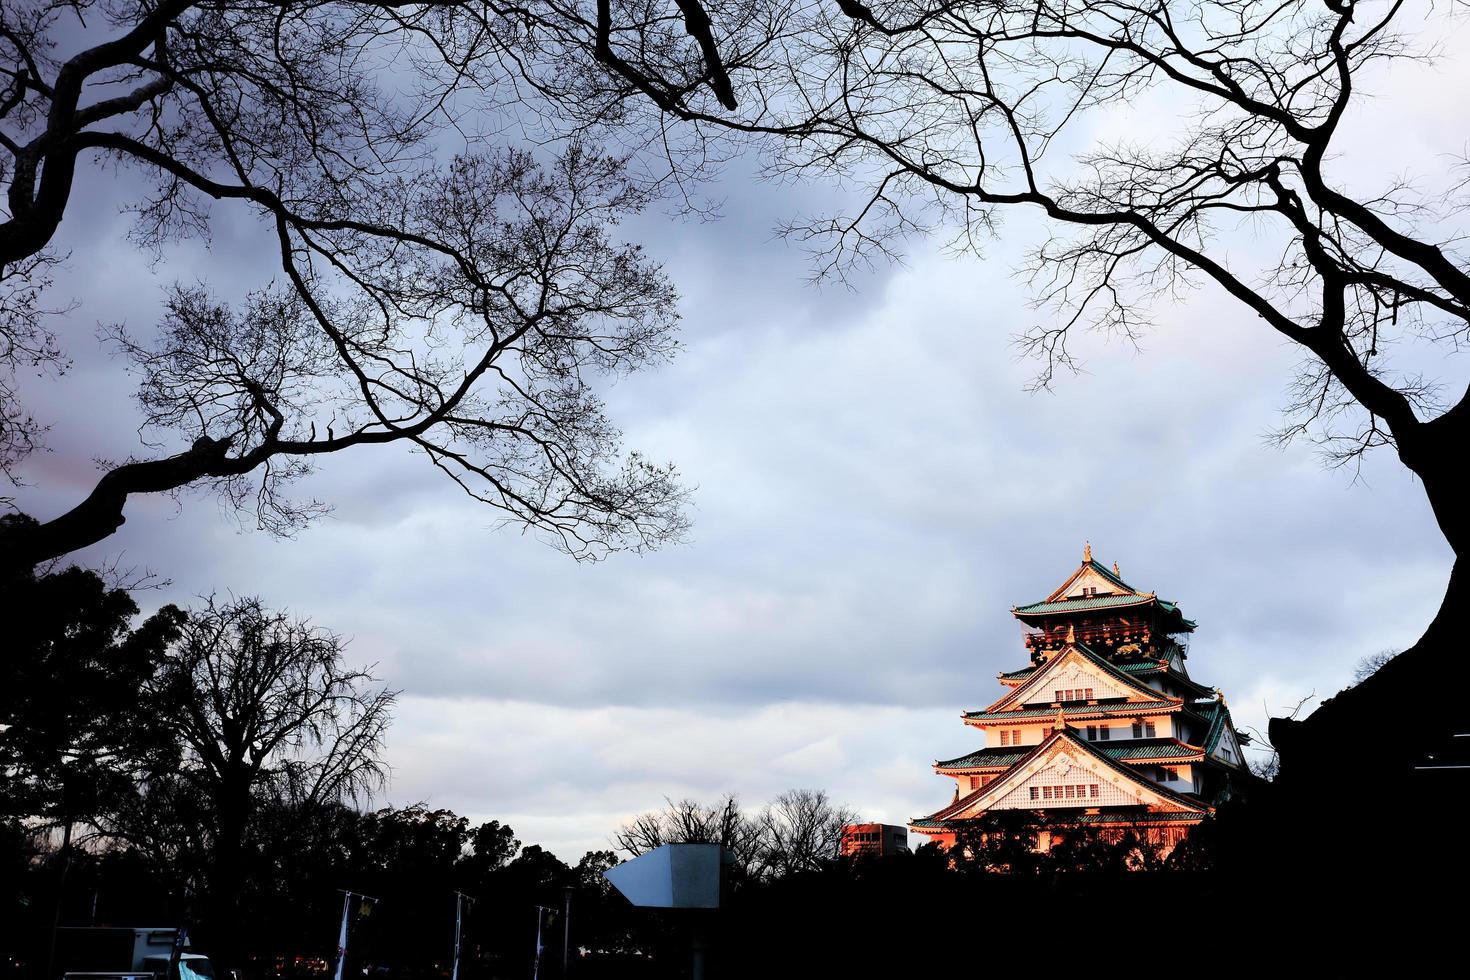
<point x="874" y="492"/>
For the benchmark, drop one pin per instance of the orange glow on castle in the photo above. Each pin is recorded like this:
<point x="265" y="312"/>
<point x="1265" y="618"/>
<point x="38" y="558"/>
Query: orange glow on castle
<point x="1104" y="728"/>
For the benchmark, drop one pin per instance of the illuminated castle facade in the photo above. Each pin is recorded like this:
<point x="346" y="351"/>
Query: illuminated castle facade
<point x="1103" y="728"/>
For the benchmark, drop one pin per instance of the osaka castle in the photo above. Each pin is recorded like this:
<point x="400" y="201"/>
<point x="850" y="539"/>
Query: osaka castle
<point x="1103" y="727"/>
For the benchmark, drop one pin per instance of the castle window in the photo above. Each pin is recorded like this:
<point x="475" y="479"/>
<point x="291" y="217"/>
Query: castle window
<point x="1093" y="787"/>
<point x="1015" y="736"/>
<point x="1005" y="736"/>
<point x="1148" y="729"/>
<point x="1091" y="733"/>
<point x="974" y="783"/>
<point x="1138" y="728"/>
<point x="1034" y="792"/>
<point x="1104" y="733"/>
<point x="1089" y="694"/>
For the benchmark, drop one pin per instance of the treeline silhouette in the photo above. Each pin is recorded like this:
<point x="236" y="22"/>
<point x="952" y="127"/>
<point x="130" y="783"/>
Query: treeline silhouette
<point x="215" y="768"/>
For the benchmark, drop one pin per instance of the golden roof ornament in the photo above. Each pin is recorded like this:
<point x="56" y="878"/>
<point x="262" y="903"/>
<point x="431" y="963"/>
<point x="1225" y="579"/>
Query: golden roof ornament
<point x="1071" y="633"/>
<point x="1087" y="551"/>
<point x="1116" y="573"/>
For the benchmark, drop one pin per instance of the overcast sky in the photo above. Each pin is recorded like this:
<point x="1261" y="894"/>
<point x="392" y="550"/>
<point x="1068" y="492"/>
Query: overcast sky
<point x="874" y="492"/>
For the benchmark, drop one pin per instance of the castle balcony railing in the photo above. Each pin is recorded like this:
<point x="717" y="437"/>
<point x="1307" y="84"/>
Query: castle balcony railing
<point x="1107" y="635"/>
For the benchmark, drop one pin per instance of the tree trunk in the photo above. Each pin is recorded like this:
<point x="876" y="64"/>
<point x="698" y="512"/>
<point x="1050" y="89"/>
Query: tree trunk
<point x="226" y="877"/>
<point x="65" y="856"/>
<point x="1416" y="703"/>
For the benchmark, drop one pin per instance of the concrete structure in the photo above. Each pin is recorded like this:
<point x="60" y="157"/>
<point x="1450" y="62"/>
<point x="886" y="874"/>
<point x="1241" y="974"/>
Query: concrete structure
<point x="1103" y="728"/>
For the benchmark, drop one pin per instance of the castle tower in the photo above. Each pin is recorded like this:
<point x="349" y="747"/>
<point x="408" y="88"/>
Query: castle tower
<point x="1103" y="728"/>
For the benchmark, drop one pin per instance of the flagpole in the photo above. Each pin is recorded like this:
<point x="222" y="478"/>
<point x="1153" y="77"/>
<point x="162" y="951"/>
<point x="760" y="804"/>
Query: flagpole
<point x="459" y="899"/>
<point x="342" y="934"/>
<point x="536" y="964"/>
<point x="347" y="898"/>
<point x="541" y="911"/>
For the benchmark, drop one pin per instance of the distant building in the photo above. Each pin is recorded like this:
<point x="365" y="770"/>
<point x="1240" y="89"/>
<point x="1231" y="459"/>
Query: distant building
<point x="873" y="839"/>
<point x="1104" y="728"/>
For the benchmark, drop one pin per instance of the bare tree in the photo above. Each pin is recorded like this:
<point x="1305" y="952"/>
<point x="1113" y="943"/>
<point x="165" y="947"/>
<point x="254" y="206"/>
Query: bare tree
<point x="460" y="307"/>
<point x="801" y="830"/>
<point x="796" y="831"/>
<point x="263" y="709"/>
<point x="1372" y="664"/>
<point x="690" y="822"/>
<point x="950" y="112"/>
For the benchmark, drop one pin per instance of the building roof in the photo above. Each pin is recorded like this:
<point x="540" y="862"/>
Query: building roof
<point x="1218" y="715"/>
<point x="1093" y="568"/>
<point x="1079" y="712"/>
<point x="1089" y="602"/>
<point x="998" y="787"/>
<point x="1146" y="666"/>
<point x="1131" y="816"/>
<point x="1114" y="594"/>
<point x="1073" y="652"/>
<point x="1123" y="750"/>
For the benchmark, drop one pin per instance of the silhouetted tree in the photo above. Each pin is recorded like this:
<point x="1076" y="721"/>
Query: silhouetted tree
<point x="800" y="831"/>
<point x="690" y="822"/>
<point x="949" y="113"/>
<point x="457" y="309"/>
<point x="75" y="728"/>
<point x="75" y="725"/>
<point x="263" y="708"/>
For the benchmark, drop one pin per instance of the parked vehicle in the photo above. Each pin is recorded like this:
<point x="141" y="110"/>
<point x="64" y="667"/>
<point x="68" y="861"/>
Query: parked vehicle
<point x="105" y="953"/>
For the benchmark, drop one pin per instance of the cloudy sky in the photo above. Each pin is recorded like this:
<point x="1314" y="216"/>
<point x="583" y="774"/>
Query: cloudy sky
<point x="875" y="490"/>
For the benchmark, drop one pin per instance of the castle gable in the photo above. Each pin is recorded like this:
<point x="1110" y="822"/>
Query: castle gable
<point x="1066" y="773"/>
<point x="1080" y="676"/>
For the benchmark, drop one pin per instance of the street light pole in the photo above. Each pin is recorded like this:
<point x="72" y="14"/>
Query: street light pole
<point x="566" y="930"/>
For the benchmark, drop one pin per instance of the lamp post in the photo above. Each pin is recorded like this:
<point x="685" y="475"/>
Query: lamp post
<point x="566" y="928"/>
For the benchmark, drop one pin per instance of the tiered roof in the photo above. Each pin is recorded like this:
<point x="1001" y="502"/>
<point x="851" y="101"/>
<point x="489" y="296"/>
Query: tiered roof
<point x="1072" y="682"/>
<point x="1093" y="588"/>
<point x="1079" y="760"/>
<point x="1156" y="750"/>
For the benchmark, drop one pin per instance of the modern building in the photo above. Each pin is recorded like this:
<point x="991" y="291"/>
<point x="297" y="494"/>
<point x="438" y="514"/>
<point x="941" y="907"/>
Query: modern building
<point x="873" y="840"/>
<point x="1103" y="727"/>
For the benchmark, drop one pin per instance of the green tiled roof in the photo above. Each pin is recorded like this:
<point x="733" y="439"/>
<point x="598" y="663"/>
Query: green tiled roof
<point x="1077" y="711"/>
<point x="1091" y="602"/>
<point x="1102" y="602"/>
<point x="1140" y="666"/>
<point x="1217" y="715"/>
<point x="1106" y="573"/>
<point x="1015" y="675"/>
<point x="1091" y="748"/>
<point x="987" y="757"/>
<point x="1129" y="750"/>
<point x="1122" y="750"/>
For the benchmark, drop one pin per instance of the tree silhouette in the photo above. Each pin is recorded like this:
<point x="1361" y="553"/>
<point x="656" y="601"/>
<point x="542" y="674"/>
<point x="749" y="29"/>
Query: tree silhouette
<point x="459" y="308"/>
<point x="950" y="113"/>
<point x="264" y="711"/>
